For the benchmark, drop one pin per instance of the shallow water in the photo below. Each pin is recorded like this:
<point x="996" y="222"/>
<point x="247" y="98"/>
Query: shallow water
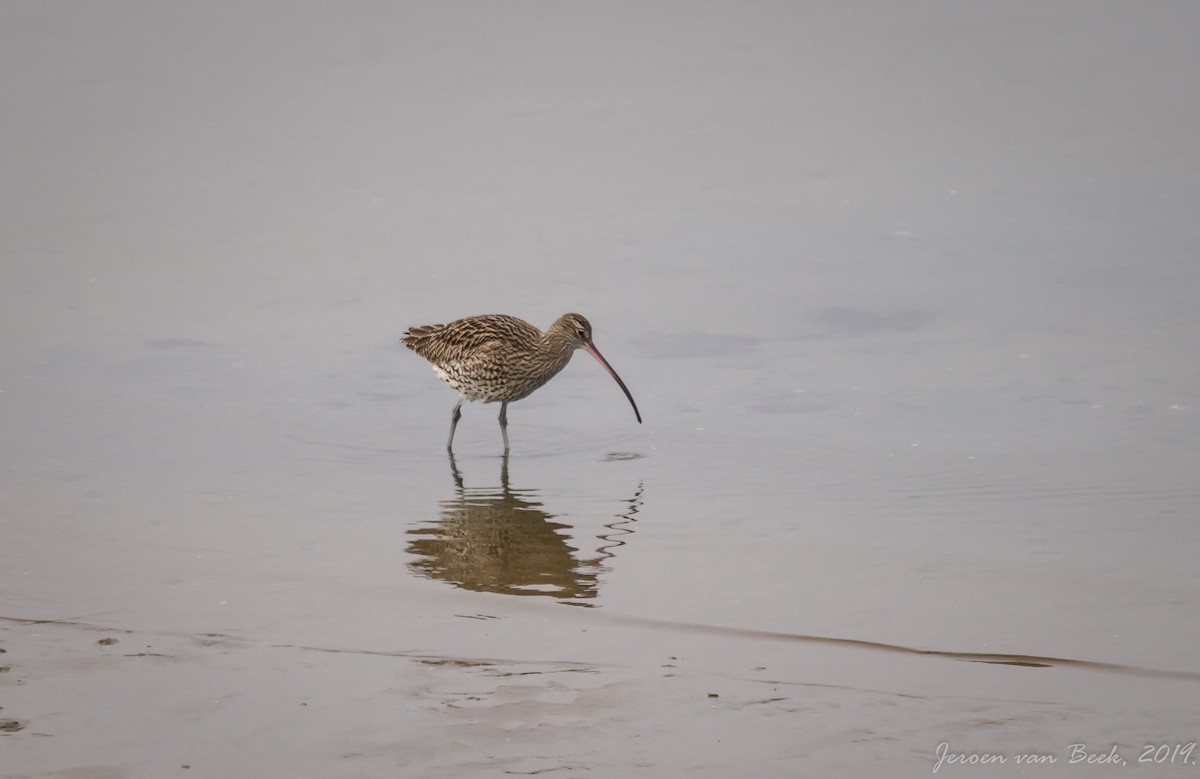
<point x="906" y="299"/>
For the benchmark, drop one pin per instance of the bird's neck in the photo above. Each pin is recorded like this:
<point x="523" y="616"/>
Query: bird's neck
<point x="555" y="350"/>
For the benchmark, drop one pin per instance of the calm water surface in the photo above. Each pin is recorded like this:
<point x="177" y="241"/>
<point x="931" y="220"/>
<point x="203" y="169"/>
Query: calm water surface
<point x="907" y="300"/>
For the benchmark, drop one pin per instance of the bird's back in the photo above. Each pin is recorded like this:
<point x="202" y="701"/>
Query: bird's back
<point x="467" y="339"/>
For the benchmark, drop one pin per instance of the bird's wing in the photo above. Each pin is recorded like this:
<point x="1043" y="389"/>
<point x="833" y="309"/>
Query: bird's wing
<point x="471" y="338"/>
<point x="464" y="346"/>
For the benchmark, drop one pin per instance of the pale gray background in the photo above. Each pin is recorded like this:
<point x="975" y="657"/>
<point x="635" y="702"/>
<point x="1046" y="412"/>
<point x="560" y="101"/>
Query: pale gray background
<point x="906" y="292"/>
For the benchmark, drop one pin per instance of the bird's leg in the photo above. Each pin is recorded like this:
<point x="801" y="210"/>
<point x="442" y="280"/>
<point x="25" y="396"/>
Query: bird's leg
<point x="504" y="424"/>
<point x="454" y="417"/>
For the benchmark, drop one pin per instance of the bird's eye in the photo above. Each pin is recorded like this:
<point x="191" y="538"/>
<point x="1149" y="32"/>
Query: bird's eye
<point x="581" y="333"/>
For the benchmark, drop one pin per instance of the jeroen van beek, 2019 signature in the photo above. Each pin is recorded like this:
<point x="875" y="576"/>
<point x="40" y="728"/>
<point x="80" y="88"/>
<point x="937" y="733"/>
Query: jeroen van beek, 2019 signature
<point x="1077" y="754"/>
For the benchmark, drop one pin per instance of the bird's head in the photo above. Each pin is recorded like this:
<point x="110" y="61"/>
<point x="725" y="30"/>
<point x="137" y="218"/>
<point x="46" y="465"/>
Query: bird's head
<point x="576" y="332"/>
<point x="574" y="329"/>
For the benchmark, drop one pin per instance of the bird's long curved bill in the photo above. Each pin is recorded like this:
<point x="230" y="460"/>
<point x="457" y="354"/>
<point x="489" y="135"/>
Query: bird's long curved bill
<point x="600" y="359"/>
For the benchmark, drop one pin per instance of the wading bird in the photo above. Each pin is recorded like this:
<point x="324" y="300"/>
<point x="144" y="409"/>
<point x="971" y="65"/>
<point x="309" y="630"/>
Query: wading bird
<point x="498" y="358"/>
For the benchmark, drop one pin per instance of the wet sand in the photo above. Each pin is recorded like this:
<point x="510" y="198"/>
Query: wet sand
<point x="216" y="705"/>
<point x="906" y="298"/>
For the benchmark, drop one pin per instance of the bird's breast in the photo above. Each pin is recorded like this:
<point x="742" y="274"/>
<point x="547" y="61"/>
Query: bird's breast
<point x="489" y="382"/>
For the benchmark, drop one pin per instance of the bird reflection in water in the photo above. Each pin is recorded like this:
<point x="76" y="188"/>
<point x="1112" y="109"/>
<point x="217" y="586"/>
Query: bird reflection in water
<point x="502" y="540"/>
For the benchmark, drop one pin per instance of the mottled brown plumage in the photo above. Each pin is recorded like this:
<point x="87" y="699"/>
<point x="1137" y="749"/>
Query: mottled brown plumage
<point x="498" y="358"/>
